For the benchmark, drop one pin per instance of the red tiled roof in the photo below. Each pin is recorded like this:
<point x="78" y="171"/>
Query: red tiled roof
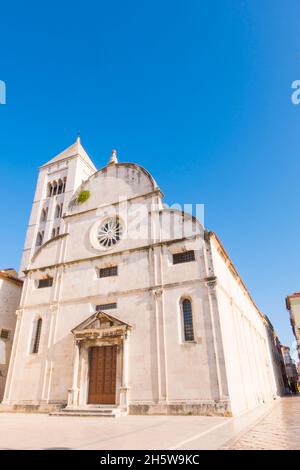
<point x="11" y="275"/>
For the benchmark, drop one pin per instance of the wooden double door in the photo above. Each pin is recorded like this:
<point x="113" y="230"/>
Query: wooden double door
<point x="103" y="368"/>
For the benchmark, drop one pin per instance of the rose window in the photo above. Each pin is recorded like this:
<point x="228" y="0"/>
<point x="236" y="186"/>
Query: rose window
<point x="109" y="232"/>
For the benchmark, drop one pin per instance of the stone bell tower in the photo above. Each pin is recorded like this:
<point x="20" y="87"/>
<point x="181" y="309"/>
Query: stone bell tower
<point x="57" y="181"/>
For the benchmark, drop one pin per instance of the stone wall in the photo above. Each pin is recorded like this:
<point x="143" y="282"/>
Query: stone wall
<point x="10" y="294"/>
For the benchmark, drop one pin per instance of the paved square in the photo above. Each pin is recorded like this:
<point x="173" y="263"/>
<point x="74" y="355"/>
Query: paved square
<point x="272" y="426"/>
<point x="40" y="431"/>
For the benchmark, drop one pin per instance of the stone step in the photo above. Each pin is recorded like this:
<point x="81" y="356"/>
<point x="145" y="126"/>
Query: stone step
<point x="100" y="407"/>
<point x="93" y="410"/>
<point x="78" y="413"/>
<point x="105" y="412"/>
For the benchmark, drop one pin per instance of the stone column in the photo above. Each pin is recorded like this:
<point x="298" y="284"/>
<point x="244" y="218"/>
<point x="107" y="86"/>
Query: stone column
<point x="221" y="379"/>
<point x="84" y="375"/>
<point x="125" y="360"/>
<point x="160" y="343"/>
<point x="124" y="389"/>
<point x="74" y="391"/>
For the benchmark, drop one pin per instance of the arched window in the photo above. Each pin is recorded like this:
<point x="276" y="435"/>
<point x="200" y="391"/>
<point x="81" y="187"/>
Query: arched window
<point x="39" y="239"/>
<point x="54" y="188"/>
<point x="50" y="189"/>
<point x="57" y="212"/>
<point x="64" y="184"/>
<point x="44" y="215"/>
<point x="57" y="231"/>
<point x="187" y="317"/>
<point x="53" y="233"/>
<point x="37" y="336"/>
<point x="60" y="187"/>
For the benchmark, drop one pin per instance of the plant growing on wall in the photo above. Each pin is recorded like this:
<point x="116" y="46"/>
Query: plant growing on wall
<point x="83" y="196"/>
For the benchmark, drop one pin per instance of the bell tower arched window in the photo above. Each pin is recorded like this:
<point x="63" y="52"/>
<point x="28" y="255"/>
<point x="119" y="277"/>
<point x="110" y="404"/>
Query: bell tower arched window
<point x="44" y="215"/>
<point x="56" y="187"/>
<point x="50" y="189"/>
<point x="60" y="187"/>
<point x="54" y="192"/>
<point x="58" y="211"/>
<point x="39" y="239"/>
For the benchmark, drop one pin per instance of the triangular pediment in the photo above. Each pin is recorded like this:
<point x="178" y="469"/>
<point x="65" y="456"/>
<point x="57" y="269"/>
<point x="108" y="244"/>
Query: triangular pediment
<point x="100" y="321"/>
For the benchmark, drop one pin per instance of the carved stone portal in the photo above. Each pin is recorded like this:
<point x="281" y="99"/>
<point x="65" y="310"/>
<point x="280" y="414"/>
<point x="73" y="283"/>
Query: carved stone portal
<point x="100" y="330"/>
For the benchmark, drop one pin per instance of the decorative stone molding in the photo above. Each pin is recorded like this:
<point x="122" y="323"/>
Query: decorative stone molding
<point x="157" y="292"/>
<point x="65" y="264"/>
<point x="19" y="313"/>
<point x="53" y="308"/>
<point x="211" y="284"/>
<point x="40" y="248"/>
<point x="100" y="329"/>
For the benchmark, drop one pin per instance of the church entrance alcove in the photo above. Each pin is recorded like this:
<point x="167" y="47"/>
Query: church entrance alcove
<point x="101" y="363"/>
<point x="102" y="375"/>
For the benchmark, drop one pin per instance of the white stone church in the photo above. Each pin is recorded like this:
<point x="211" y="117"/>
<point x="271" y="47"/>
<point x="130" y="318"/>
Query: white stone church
<point x="130" y="307"/>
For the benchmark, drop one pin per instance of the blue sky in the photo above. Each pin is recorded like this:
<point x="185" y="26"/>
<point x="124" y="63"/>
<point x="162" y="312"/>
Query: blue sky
<point x="198" y="92"/>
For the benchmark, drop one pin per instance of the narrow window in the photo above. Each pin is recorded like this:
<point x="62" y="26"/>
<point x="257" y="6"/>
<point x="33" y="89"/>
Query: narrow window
<point x="57" y="212"/>
<point x="48" y="282"/>
<point x="37" y="337"/>
<point x="39" y="239"/>
<point x="106" y="306"/>
<point x="61" y="210"/>
<point x="57" y="231"/>
<point x="50" y="189"/>
<point x="187" y="320"/>
<point x="54" y="188"/>
<point x="44" y="215"/>
<point x="53" y="233"/>
<point x="64" y="185"/>
<point x="60" y="187"/>
<point x="184" y="257"/>
<point x="107" y="272"/>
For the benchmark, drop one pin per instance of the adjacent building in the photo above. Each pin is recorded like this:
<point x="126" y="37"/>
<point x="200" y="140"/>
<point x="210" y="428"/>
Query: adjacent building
<point x="129" y="306"/>
<point x="291" y="369"/>
<point x="293" y="306"/>
<point x="282" y="384"/>
<point x="10" y="293"/>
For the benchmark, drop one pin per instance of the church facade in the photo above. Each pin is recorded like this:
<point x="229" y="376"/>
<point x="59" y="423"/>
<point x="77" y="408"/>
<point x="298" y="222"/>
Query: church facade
<point x="129" y="306"/>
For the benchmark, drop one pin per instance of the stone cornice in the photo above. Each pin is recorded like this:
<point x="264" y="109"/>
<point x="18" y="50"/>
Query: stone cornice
<point x="109" y="255"/>
<point x="153" y="290"/>
<point x="48" y="242"/>
<point x="213" y="236"/>
<point x="129" y="199"/>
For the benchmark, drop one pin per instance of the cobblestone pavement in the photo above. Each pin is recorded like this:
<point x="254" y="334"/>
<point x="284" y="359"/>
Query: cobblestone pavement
<point x="279" y="429"/>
